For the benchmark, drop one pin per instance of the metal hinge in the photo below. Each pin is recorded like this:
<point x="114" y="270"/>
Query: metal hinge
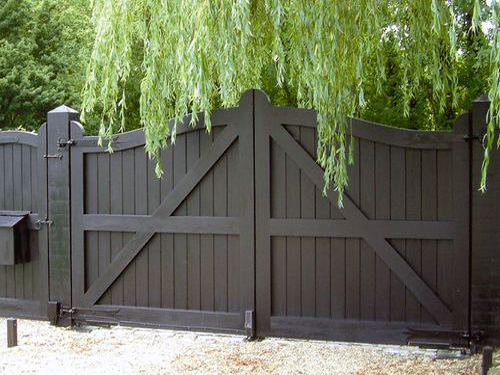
<point x="468" y="137"/>
<point x="56" y="311"/>
<point x="430" y="338"/>
<point x="55" y="156"/>
<point x="61" y="143"/>
<point x="39" y="223"/>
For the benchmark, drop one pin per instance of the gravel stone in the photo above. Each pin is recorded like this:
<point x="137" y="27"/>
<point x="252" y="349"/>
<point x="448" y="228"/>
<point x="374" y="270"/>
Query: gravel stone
<point x="45" y="349"/>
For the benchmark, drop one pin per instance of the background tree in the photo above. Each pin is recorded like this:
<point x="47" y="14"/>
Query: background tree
<point x="330" y="54"/>
<point x="44" y="49"/>
<point x="408" y="64"/>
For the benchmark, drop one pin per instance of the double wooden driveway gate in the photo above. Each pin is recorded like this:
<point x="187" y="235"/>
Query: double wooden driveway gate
<point x="238" y="229"/>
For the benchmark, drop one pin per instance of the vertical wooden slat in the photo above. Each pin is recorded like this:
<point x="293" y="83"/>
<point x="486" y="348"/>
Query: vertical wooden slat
<point x="34" y="264"/>
<point x="307" y="244"/>
<point x="193" y="240"/>
<point x="91" y="207"/>
<point x="91" y="184"/>
<point x="104" y="206"/>
<point x="167" y="239"/>
<point x="17" y="184"/>
<point x="34" y="180"/>
<point x="154" y="261"/>
<point x="429" y="213"/>
<point x="278" y="276"/>
<point x="26" y="178"/>
<point x="398" y="212"/>
<point x="220" y="241"/>
<point x="326" y="298"/>
<point x="116" y="202"/>
<point x="445" y="213"/>
<point x="367" y="255"/>
<point x="180" y="240"/>
<point x="293" y="259"/>
<point x="233" y="242"/>
<point x="336" y="264"/>
<point x="4" y="177"/>
<point x="3" y="182"/>
<point x="27" y="206"/>
<point x="413" y="212"/>
<point x="78" y="208"/>
<point x="10" y="285"/>
<point x="9" y="178"/>
<point x="168" y="271"/>
<point x="382" y="212"/>
<point x="141" y="208"/>
<point x="33" y="237"/>
<point x="352" y="257"/>
<point x="42" y="281"/>
<point x="337" y="285"/>
<point x="462" y="212"/>
<point x="207" y="240"/>
<point x="278" y="244"/>
<point x="128" y="175"/>
<point x="18" y="205"/>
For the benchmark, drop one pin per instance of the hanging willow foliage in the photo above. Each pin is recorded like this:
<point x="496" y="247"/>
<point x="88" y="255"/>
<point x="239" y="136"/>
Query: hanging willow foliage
<point x="199" y="54"/>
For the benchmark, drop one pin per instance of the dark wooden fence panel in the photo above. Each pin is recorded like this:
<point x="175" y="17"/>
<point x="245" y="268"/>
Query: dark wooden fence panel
<point x="20" y="283"/>
<point x="239" y="223"/>
<point x="384" y="258"/>
<point x="174" y="244"/>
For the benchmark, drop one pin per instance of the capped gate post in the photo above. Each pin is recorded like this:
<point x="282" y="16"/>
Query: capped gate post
<point x="485" y="236"/>
<point x="59" y="205"/>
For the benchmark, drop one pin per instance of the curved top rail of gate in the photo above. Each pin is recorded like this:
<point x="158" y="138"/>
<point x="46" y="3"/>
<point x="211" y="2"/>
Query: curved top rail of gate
<point x="373" y="131"/>
<point x="135" y="138"/>
<point x="401" y="137"/>
<point x="18" y="137"/>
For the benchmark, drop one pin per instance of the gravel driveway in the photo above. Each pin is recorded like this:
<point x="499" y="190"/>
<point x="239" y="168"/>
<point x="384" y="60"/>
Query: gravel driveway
<point x="44" y="349"/>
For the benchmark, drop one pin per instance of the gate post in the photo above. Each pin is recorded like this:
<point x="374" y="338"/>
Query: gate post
<point x="485" y="293"/>
<point x="461" y="219"/>
<point x="59" y="205"/>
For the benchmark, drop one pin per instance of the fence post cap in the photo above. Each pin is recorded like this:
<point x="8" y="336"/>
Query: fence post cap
<point x="63" y="109"/>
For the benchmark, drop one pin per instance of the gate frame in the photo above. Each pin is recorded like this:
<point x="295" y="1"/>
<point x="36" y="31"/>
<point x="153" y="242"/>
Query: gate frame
<point x="58" y="159"/>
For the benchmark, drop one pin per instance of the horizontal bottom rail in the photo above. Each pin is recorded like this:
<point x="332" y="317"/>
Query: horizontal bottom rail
<point x="162" y="318"/>
<point x="344" y="330"/>
<point x="20" y="308"/>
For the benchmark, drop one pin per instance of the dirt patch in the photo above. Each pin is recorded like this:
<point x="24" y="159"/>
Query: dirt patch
<point x="44" y="349"/>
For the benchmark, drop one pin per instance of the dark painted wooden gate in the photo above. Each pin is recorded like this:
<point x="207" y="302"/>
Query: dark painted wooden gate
<point x="22" y="284"/>
<point x="394" y="258"/>
<point x="239" y="224"/>
<point x="177" y="252"/>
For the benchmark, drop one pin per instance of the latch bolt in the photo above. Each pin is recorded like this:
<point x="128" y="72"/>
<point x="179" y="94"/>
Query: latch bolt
<point x="61" y="143"/>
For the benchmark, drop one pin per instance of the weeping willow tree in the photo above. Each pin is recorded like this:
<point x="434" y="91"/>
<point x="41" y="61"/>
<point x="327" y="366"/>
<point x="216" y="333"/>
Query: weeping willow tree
<point x="202" y="54"/>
